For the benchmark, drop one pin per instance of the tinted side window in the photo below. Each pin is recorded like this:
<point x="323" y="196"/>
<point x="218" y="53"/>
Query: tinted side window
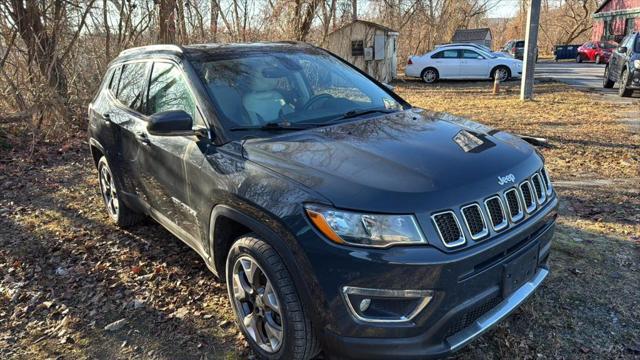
<point x="446" y="54"/>
<point x="519" y="44"/>
<point x="132" y="85"/>
<point x="169" y="91"/>
<point x="637" y="46"/>
<point x="470" y="54"/>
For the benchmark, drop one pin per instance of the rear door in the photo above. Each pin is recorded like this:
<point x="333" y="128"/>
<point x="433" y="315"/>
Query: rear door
<point x="447" y="62"/>
<point x="127" y="121"/>
<point x="473" y="65"/>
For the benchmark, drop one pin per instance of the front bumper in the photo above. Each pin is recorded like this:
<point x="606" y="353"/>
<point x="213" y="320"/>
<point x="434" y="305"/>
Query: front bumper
<point x="468" y="298"/>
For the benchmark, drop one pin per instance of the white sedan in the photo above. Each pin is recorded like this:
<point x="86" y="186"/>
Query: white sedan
<point x="462" y="62"/>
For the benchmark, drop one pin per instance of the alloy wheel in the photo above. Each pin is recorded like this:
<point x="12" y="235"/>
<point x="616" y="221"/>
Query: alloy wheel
<point x="257" y="304"/>
<point x="109" y="192"/>
<point x="429" y="76"/>
<point x="502" y="75"/>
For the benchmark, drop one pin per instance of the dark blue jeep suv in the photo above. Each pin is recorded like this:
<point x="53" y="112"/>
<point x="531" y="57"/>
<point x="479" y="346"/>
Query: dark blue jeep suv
<point x="343" y="219"/>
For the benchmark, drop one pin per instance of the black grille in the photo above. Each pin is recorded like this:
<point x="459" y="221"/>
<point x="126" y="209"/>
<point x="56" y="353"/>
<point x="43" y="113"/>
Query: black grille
<point x="513" y="202"/>
<point x="468" y="317"/>
<point x="473" y="217"/>
<point x="538" y="186"/>
<point x="526" y="193"/>
<point x="448" y="227"/>
<point x="495" y="212"/>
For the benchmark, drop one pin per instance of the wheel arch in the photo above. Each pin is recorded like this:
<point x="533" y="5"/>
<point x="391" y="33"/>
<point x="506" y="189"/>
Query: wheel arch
<point x="97" y="150"/>
<point x="498" y="66"/>
<point x="427" y="68"/>
<point x="279" y="238"/>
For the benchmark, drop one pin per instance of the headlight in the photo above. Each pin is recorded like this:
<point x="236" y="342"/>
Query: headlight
<point x="345" y="227"/>
<point x="636" y="64"/>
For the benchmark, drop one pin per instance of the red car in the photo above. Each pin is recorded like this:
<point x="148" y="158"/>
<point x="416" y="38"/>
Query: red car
<point x="596" y="51"/>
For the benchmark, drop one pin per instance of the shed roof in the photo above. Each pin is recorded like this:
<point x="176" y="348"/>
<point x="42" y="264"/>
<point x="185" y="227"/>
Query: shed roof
<point x="471" y="34"/>
<point x="368" y="23"/>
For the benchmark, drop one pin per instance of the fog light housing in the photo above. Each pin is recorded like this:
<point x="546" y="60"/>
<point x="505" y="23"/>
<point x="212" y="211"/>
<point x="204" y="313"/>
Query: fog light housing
<point x="385" y="306"/>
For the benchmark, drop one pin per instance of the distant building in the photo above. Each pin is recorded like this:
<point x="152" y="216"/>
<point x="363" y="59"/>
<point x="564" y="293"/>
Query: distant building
<point x="369" y="46"/>
<point x="614" y="19"/>
<point x="475" y="36"/>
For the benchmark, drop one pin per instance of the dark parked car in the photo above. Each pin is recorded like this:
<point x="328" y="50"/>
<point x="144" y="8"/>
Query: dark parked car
<point x="514" y="48"/>
<point x="342" y="218"/>
<point x="624" y="66"/>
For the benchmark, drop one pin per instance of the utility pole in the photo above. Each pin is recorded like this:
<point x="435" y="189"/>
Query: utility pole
<point x="530" y="51"/>
<point x="354" y="7"/>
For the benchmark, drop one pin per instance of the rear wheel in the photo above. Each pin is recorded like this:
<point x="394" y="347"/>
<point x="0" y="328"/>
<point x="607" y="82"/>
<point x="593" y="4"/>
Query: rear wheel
<point x="598" y="59"/>
<point x="430" y="75"/>
<point x="607" y="83"/>
<point x="267" y="307"/>
<point x="624" y="80"/>
<point x="118" y="211"/>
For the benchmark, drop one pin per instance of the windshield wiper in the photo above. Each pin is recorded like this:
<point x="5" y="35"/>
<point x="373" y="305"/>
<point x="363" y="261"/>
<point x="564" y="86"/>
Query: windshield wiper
<point x="271" y="126"/>
<point x="356" y="113"/>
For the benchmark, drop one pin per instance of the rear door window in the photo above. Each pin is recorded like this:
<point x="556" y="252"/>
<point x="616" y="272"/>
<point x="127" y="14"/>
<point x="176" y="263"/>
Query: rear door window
<point x="470" y="54"/>
<point x="132" y="85"/>
<point x="519" y="44"/>
<point x="446" y="54"/>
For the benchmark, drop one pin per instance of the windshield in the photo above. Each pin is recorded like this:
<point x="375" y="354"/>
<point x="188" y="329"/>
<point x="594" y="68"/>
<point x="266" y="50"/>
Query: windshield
<point x="262" y="89"/>
<point x="608" y="45"/>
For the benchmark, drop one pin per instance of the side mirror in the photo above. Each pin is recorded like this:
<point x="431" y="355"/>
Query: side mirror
<point x="171" y="123"/>
<point x="622" y="49"/>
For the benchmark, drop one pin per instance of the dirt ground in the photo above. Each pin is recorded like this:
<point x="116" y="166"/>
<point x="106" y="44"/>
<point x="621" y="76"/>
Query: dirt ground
<point x="74" y="286"/>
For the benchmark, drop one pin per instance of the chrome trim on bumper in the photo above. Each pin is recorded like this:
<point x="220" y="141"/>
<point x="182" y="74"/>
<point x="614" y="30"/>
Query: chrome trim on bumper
<point x="498" y="313"/>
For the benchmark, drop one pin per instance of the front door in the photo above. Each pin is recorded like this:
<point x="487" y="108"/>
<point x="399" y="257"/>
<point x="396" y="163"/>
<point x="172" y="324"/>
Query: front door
<point x="473" y="65"/>
<point x="162" y="163"/>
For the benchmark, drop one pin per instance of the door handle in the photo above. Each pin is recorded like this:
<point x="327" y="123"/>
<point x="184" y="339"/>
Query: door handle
<point x="143" y="138"/>
<point x="107" y="118"/>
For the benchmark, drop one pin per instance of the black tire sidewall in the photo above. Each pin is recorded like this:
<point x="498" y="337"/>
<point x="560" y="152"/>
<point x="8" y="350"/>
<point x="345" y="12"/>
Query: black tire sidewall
<point x="243" y="248"/>
<point x="503" y="68"/>
<point x="437" y="75"/>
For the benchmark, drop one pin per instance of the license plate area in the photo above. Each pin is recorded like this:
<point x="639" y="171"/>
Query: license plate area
<point x="519" y="270"/>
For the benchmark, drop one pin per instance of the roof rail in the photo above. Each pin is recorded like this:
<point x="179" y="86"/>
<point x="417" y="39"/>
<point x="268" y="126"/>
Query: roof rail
<point x="170" y="48"/>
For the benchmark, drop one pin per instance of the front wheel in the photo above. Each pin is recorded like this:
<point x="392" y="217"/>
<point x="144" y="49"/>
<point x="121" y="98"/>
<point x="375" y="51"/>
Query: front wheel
<point x="264" y="299"/>
<point x="623" y="91"/>
<point x="501" y="73"/>
<point x="598" y="59"/>
<point x="606" y="82"/>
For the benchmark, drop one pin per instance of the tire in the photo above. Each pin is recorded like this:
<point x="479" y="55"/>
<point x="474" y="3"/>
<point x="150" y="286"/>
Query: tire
<point x="607" y="83"/>
<point x="502" y="71"/>
<point x="430" y="75"/>
<point x="118" y="211"/>
<point x="290" y="322"/>
<point x="598" y="59"/>
<point x="624" y="80"/>
<point x="579" y="58"/>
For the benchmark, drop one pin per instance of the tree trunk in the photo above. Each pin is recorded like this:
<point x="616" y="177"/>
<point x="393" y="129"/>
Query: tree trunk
<point x="167" y="21"/>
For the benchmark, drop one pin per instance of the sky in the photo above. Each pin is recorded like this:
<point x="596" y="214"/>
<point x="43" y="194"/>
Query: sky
<point x="504" y="8"/>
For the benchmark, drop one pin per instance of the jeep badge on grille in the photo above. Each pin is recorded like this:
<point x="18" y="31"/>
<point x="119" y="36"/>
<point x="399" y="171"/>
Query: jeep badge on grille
<point x="506" y="179"/>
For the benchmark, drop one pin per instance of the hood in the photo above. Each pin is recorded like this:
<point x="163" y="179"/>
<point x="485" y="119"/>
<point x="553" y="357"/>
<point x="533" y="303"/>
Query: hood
<point x="402" y="162"/>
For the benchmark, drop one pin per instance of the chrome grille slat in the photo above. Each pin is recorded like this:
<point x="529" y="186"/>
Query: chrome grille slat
<point x="527" y="196"/>
<point x="497" y="216"/>
<point x="541" y="196"/>
<point x="474" y="220"/>
<point x="449" y="228"/>
<point x="516" y="212"/>
<point x="546" y="180"/>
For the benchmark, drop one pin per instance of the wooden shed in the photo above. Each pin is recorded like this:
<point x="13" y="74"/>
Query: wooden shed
<point x="475" y="36"/>
<point x="369" y="46"/>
